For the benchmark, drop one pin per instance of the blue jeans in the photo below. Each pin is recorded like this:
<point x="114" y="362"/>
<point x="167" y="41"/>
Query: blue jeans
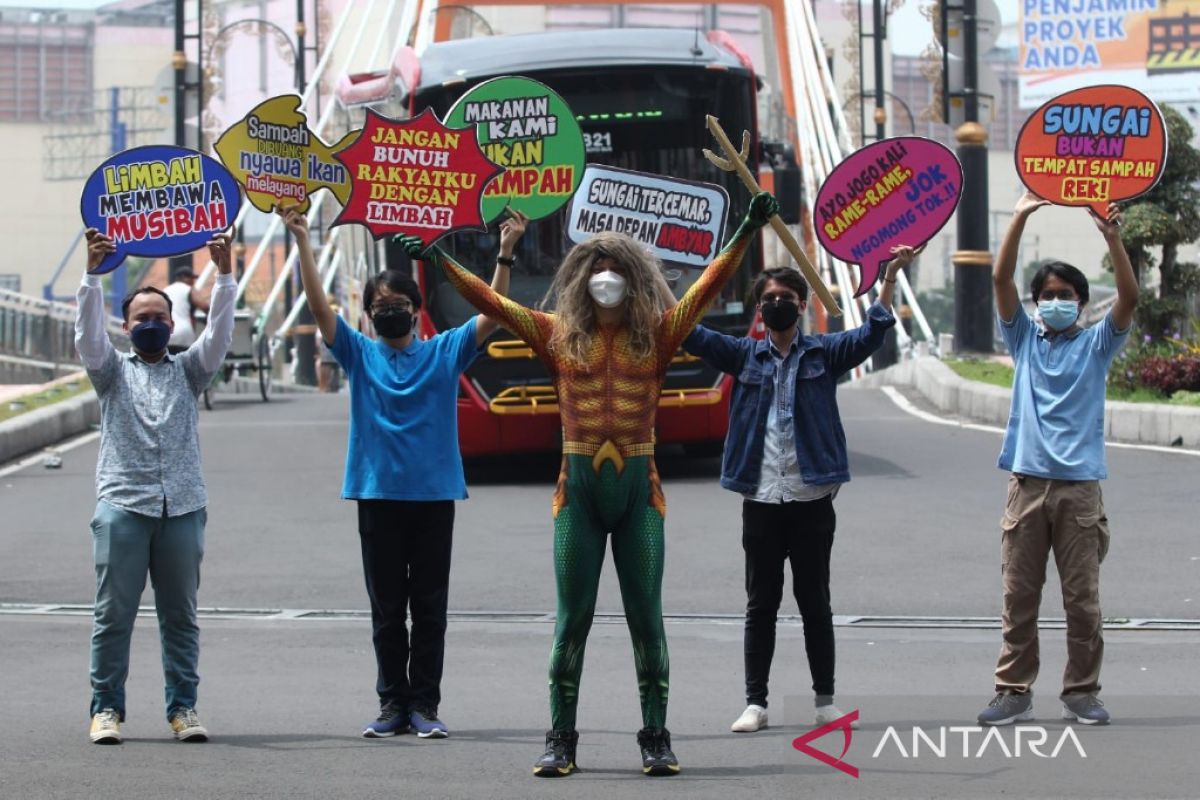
<point x="126" y="546"/>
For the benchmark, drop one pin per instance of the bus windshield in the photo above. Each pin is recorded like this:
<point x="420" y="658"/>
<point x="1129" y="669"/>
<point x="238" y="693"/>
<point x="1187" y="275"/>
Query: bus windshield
<point x="647" y="118"/>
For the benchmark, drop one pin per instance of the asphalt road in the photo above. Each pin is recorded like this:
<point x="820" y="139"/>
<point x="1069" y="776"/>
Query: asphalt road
<point x="918" y="528"/>
<point x="917" y="536"/>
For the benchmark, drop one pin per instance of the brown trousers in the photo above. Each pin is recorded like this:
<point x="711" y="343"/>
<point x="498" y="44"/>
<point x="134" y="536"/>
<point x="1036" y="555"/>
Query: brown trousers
<point x="1067" y="517"/>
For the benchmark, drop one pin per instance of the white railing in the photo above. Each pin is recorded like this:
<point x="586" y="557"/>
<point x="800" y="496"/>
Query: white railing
<point x="310" y="93"/>
<point x="32" y="328"/>
<point x="359" y="51"/>
<point x="824" y="141"/>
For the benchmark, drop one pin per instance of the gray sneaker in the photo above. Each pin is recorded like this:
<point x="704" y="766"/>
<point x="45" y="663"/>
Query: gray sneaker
<point x="1085" y="709"/>
<point x="1007" y="708"/>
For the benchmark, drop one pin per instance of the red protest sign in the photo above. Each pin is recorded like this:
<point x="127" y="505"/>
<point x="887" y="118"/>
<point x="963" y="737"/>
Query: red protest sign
<point x="415" y="177"/>
<point x="1093" y="146"/>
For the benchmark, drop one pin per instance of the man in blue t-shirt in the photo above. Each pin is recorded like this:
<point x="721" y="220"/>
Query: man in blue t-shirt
<point x="404" y="469"/>
<point x="1054" y="448"/>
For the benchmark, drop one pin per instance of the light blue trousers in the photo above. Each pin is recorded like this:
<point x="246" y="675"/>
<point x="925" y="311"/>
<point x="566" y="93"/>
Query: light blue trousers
<point x="126" y="547"/>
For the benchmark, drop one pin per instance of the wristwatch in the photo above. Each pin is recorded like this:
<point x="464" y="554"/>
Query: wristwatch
<point x="507" y="261"/>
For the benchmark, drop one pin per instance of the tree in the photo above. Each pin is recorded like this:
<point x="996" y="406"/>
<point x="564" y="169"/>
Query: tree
<point x="1166" y="217"/>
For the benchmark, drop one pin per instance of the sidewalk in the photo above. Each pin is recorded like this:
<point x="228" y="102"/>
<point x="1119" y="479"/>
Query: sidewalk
<point x="1138" y="423"/>
<point x="11" y="391"/>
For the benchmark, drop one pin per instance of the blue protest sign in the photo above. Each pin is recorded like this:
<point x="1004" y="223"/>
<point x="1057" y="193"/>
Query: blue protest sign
<point x="158" y="201"/>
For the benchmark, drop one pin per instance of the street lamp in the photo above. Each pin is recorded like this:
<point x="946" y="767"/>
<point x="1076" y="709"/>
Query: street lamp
<point x="859" y="96"/>
<point x="212" y="126"/>
<point x="213" y="81"/>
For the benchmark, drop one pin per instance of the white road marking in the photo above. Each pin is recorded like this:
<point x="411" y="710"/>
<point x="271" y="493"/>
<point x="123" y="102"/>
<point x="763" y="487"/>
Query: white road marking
<point x="841" y="620"/>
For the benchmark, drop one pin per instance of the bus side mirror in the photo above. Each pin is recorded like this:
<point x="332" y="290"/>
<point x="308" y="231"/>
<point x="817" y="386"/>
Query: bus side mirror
<point x="789" y="190"/>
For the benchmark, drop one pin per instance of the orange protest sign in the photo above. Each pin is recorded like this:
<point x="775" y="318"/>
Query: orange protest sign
<point x="1093" y="146"/>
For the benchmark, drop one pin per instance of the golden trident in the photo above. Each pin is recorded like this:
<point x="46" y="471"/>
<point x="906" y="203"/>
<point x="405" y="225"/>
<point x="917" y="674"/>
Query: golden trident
<point x="736" y="162"/>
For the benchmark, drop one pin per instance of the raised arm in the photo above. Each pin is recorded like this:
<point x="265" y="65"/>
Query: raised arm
<point x="91" y="330"/>
<point x="679" y="321"/>
<point x="903" y="256"/>
<point x="532" y="327"/>
<point x="314" y="292"/>
<point x="510" y="233"/>
<point x="1127" y="284"/>
<point x="209" y="350"/>
<point x="1007" y="296"/>
<point x="719" y="350"/>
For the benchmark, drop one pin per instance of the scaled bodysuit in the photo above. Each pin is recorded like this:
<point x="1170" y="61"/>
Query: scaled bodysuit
<point x="608" y="483"/>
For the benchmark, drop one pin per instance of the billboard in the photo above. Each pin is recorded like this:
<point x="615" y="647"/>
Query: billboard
<point x="1150" y="45"/>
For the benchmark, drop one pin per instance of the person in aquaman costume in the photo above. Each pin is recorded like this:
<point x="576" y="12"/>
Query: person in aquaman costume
<point x="608" y="345"/>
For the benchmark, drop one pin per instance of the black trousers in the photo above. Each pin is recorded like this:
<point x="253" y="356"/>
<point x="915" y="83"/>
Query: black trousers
<point x="406" y="562"/>
<point x="773" y="534"/>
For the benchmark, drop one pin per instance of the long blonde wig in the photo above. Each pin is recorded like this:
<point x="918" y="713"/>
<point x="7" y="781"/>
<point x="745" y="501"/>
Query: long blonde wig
<point x="575" y="310"/>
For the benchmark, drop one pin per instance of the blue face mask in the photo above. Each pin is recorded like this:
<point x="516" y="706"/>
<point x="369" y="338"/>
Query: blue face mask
<point x="1058" y="314"/>
<point x="150" y="337"/>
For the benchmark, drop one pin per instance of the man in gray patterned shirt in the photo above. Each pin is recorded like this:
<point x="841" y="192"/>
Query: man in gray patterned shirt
<point x="150" y="512"/>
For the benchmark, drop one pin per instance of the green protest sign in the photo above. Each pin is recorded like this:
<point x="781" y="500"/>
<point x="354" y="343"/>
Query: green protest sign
<point x="525" y="127"/>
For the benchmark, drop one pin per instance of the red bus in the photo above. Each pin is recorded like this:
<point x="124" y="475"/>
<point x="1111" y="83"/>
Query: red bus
<point x="641" y="96"/>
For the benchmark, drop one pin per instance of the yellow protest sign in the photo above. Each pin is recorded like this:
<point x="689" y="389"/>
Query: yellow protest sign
<point x="278" y="160"/>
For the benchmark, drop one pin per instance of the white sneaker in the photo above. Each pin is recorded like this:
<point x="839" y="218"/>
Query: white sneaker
<point x="827" y="714"/>
<point x="186" y="726"/>
<point x="106" y="727"/>
<point x="754" y="718"/>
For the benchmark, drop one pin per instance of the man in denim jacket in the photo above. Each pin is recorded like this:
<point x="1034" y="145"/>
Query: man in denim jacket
<point x="788" y="466"/>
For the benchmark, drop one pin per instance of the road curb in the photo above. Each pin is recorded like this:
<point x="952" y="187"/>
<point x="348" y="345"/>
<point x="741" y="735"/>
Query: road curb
<point x="43" y="427"/>
<point x="1140" y="423"/>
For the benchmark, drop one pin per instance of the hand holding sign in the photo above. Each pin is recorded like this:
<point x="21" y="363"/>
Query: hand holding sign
<point x="1029" y="203"/>
<point x="511" y="230"/>
<point x="736" y="162"/>
<point x="99" y="247"/>
<point x="895" y="192"/>
<point x="219" y="252"/>
<point x="415" y="248"/>
<point x="294" y="221"/>
<point x="1110" y="224"/>
<point x="1093" y="146"/>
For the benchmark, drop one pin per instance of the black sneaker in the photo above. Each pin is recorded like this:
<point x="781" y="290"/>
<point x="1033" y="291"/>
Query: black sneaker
<point x="657" y="758"/>
<point x="392" y="720"/>
<point x="559" y="758"/>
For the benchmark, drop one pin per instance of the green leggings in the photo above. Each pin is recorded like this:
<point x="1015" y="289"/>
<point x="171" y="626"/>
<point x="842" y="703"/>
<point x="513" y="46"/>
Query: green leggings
<point x="597" y="504"/>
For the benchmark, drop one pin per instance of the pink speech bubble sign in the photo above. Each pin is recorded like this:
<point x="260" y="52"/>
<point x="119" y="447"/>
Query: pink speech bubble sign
<point x="893" y="192"/>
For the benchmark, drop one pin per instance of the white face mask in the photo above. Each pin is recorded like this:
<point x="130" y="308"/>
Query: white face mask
<point x="607" y="288"/>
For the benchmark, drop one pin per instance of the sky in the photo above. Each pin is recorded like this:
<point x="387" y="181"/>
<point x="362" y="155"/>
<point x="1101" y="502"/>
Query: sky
<point x="909" y="32"/>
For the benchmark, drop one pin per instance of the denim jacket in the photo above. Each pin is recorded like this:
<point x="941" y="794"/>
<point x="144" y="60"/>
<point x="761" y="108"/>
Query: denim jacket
<point x="820" y="440"/>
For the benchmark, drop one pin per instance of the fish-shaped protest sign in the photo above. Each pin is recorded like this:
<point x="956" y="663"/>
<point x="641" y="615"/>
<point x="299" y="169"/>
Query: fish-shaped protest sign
<point x="278" y="159"/>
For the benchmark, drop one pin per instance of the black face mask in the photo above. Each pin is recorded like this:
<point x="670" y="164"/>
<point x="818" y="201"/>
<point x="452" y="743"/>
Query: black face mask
<point x="392" y="323"/>
<point x="150" y="337"/>
<point x="779" y="315"/>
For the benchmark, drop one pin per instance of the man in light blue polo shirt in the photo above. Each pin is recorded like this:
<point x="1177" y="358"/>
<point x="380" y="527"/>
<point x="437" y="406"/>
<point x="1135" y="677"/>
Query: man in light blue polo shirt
<point x="404" y="469"/>
<point x="1054" y="448"/>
